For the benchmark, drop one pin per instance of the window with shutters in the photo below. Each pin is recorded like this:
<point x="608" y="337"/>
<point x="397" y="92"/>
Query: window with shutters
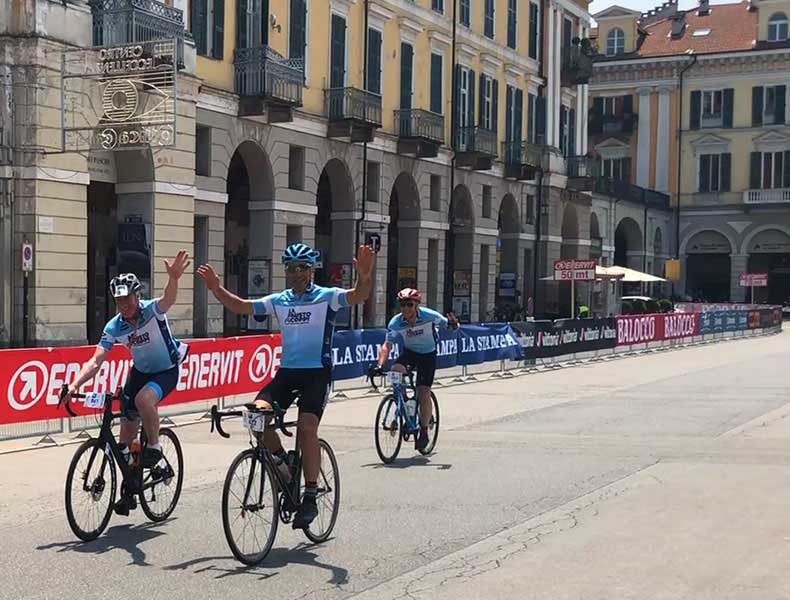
<point x="297" y="32"/>
<point x="714" y="172"/>
<point x="510" y="114"/>
<point x="488" y="21"/>
<point x="531" y="138"/>
<point x="610" y="106"/>
<point x="438" y="5"/>
<point x="771" y="100"/>
<point x="373" y="83"/>
<point x="487" y="107"/>
<point x="511" y="24"/>
<point x="466" y="12"/>
<point x="437" y="79"/>
<point x="208" y="27"/>
<point x="711" y="115"/>
<point x="534" y="25"/>
<point x="406" y="75"/>
<point x="774" y="170"/>
<point x="615" y="168"/>
<point x="337" y="52"/>
<point x="465" y="100"/>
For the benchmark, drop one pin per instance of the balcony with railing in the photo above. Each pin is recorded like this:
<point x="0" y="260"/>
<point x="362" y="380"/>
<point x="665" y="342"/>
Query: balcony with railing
<point x="771" y="196"/>
<point x="119" y="22"/>
<point x="267" y="83"/>
<point x="577" y="63"/>
<point x="582" y="171"/>
<point x="625" y="190"/>
<point x="475" y="147"/>
<point x="523" y="160"/>
<point x="420" y="132"/>
<point x="352" y="113"/>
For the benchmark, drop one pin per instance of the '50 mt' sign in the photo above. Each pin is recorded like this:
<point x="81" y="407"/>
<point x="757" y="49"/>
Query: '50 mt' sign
<point x="574" y="270"/>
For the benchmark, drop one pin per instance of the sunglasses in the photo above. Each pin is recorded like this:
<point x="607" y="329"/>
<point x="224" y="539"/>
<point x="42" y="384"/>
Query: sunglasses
<point x="298" y="267"/>
<point x="408" y="303"/>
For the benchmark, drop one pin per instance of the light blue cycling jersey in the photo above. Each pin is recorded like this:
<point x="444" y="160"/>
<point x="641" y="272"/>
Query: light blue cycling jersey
<point x="420" y="337"/>
<point x="153" y="347"/>
<point x="307" y="324"/>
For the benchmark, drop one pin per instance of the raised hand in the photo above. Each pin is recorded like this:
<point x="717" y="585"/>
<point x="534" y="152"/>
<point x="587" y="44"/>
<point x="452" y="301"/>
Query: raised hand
<point x="208" y="275"/>
<point x="176" y="268"/>
<point x="364" y="261"/>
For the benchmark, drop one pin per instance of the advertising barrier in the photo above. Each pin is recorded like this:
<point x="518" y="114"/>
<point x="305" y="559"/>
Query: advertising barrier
<point x="643" y="329"/>
<point x="31" y="379"/>
<point x="545" y="339"/>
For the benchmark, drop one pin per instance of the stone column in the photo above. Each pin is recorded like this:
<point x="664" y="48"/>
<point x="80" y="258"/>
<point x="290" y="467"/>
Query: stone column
<point x="739" y="263"/>
<point x="644" y="141"/>
<point x="662" y="143"/>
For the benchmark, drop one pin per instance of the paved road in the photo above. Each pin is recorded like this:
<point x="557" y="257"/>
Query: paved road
<point x="659" y="476"/>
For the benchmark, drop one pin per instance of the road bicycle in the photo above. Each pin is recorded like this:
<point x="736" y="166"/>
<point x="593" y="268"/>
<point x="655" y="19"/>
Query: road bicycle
<point x="257" y="493"/>
<point x="398" y="417"/>
<point x="91" y="481"/>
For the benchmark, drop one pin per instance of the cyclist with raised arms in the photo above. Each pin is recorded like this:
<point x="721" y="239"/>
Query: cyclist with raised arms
<point x="417" y="327"/>
<point x="306" y="313"/>
<point x="141" y="326"/>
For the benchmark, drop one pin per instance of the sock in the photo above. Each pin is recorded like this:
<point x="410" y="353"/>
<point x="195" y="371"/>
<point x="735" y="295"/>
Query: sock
<point x="155" y="446"/>
<point x="311" y="489"/>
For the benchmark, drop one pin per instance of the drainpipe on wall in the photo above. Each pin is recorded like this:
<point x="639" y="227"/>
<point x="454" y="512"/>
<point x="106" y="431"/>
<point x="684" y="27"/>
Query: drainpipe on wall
<point x="539" y="196"/>
<point x="449" y="248"/>
<point x="361" y="219"/>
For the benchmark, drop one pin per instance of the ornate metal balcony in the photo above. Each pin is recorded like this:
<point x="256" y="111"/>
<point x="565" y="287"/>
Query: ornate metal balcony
<point x="582" y="172"/>
<point x="267" y="82"/>
<point x="420" y="132"/>
<point x="352" y="113"/>
<point x="475" y="147"/>
<point x="119" y="22"/>
<point x="523" y="160"/>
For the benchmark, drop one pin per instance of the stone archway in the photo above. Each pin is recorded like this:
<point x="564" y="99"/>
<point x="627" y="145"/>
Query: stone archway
<point x="708" y="266"/>
<point x="628" y="244"/>
<point x="249" y="179"/>
<point x="459" y="255"/>
<point x="769" y="252"/>
<point x="508" y="289"/>
<point x="403" y="242"/>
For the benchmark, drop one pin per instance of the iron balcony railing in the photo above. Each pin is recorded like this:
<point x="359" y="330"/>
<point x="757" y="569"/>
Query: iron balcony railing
<point x="625" y="190"/>
<point x="418" y="123"/>
<point x="351" y="103"/>
<point x="261" y="71"/>
<point x="577" y="61"/>
<point x="119" y="22"/>
<point x="524" y="153"/>
<point x="477" y="140"/>
<point x="583" y="166"/>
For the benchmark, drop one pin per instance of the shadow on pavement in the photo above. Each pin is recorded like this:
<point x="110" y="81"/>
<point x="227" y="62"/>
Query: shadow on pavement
<point x="121" y="537"/>
<point x="278" y="558"/>
<point x="414" y="461"/>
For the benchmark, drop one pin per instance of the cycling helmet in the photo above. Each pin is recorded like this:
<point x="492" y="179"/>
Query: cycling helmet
<point x="410" y="294"/>
<point x="299" y="252"/>
<point x="124" y="284"/>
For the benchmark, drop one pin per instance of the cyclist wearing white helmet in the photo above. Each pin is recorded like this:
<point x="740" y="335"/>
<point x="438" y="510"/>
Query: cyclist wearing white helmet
<point x="416" y="326"/>
<point x="141" y="326"/>
<point x="306" y="313"/>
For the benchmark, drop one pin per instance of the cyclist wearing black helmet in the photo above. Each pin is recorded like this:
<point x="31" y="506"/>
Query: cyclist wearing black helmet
<point x="306" y="314"/>
<point x="141" y="326"/>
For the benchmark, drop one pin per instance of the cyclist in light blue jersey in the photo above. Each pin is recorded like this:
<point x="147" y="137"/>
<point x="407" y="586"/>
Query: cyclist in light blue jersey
<point x="141" y="326"/>
<point x="306" y="313"/>
<point x="417" y="328"/>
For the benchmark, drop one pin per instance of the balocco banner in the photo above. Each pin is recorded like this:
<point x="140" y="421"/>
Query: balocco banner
<point x="641" y="329"/>
<point x="31" y="379"/>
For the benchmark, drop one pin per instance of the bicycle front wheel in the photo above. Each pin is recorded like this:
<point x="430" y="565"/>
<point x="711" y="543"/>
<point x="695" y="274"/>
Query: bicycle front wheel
<point x="90" y="490"/>
<point x="433" y="428"/>
<point x="250" y="513"/>
<point x="162" y="483"/>
<point x="388" y="429"/>
<point x="328" y="498"/>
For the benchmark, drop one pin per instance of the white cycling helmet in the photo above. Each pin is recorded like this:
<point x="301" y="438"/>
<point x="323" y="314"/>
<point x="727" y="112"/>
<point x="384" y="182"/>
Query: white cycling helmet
<point x="124" y="284"/>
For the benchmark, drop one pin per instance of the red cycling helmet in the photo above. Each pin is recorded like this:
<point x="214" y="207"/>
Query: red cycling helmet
<point x="410" y="294"/>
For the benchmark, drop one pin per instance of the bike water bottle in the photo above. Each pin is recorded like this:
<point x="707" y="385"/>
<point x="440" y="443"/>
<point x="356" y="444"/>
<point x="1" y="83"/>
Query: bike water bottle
<point x="283" y="467"/>
<point x="126" y="453"/>
<point x="411" y="407"/>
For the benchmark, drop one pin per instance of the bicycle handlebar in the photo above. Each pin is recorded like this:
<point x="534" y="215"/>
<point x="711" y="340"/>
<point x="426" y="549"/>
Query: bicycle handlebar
<point x="64" y="394"/>
<point x="217" y="415"/>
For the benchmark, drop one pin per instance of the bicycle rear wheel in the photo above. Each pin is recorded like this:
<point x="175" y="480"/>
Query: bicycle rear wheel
<point x="328" y="498"/>
<point x="388" y="429"/>
<point x="162" y="483"/>
<point x="433" y="428"/>
<point x="250" y="513"/>
<point x="89" y="498"/>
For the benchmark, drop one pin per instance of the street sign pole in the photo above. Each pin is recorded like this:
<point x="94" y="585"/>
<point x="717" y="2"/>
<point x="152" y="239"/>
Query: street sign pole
<point x="752" y="286"/>
<point x="573" y="297"/>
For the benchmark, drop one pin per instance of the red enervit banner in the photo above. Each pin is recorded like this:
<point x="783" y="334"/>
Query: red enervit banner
<point x="30" y="379"/>
<point x="641" y="329"/>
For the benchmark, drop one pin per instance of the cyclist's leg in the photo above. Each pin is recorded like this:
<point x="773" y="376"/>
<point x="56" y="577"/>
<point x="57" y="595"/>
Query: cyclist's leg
<point x="426" y="370"/>
<point x="129" y="415"/>
<point x="279" y="390"/>
<point x="156" y="387"/>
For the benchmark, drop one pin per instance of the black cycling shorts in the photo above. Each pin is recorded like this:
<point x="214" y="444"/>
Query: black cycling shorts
<point x="425" y="364"/>
<point x="162" y="383"/>
<point x="310" y="385"/>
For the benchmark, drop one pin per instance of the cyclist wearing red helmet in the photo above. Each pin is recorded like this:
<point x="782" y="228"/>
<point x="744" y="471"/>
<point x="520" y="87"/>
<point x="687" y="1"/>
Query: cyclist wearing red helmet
<point x="416" y="326"/>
